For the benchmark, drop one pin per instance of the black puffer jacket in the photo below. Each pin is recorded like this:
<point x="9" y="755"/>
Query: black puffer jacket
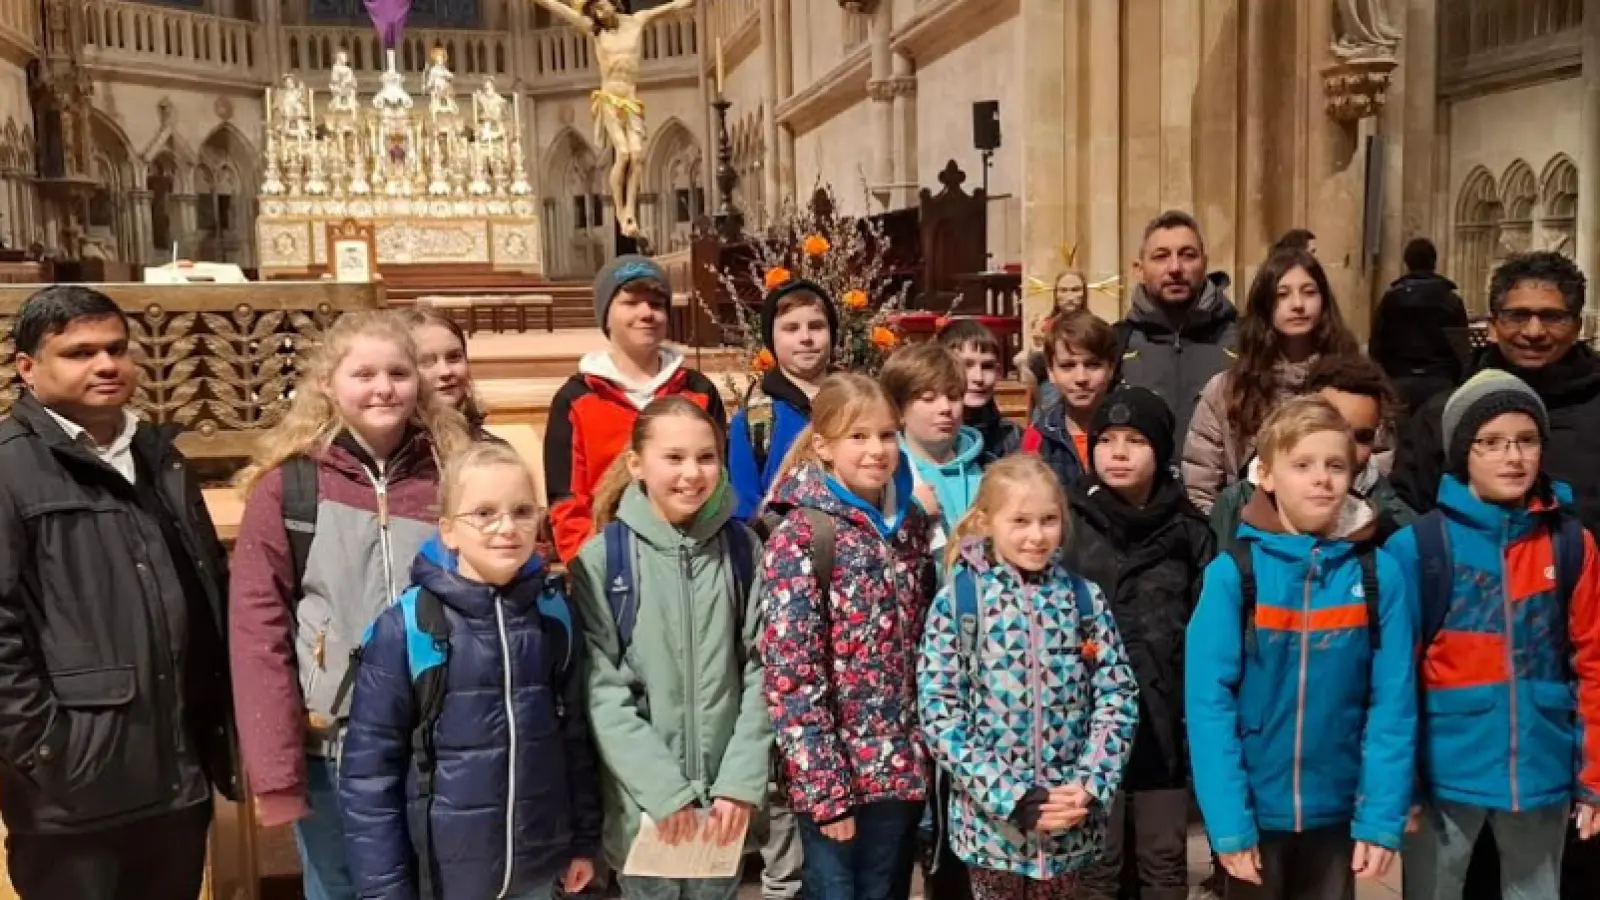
<point x="1570" y="389"/>
<point x="114" y="695"/>
<point x="1148" y="563"/>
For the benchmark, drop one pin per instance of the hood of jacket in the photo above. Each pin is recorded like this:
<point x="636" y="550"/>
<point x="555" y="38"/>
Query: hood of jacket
<point x="1366" y="482"/>
<point x="1108" y="513"/>
<point x="955" y="482"/>
<point x="599" y="364"/>
<point x="811" y="486"/>
<point x="437" y="570"/>
<point x="641" y="518"/>
<point x="1211" y="309"/>
<point x="1495" y="521"/>
<point x="778" y="386"/>
<point x="1357" y="524"/>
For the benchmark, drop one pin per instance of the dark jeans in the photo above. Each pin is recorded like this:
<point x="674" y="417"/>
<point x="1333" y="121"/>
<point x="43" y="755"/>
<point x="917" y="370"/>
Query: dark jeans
<point x="866" y="868"/>
<point x="159" y="858"/>
<point x="1154" y="825"/>
<point x="1580" y="868"/>
<point x="1311" y="865"/>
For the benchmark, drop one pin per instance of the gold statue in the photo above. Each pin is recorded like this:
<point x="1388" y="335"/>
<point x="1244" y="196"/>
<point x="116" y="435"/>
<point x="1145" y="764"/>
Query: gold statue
<point x="618" y="112"/>
<point x="439" y="83"/>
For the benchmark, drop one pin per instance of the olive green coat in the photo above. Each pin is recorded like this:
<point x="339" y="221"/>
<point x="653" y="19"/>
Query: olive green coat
<point x="679" y="717"/>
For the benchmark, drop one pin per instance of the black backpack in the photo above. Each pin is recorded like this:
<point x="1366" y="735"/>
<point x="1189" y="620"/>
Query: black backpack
<point x="1365" y="555"/>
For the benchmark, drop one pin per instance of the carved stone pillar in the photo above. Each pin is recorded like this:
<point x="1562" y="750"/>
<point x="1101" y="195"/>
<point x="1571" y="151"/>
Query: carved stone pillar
<point x="903" y="89"/>
<point x="142" y="228"/>
<point x="187" y="222"/>
<point x="1420" y="70"/>
<point x="771" y="191"/>
<point x="1587" y="254"/>
<point x="880" y="89"/>
<point x="786" y="185"/>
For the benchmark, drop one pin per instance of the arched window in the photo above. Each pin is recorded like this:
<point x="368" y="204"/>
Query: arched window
<point x="1478" y="215"/>
<point x="1558" y="202"/>
<point x="1519" y="194"/>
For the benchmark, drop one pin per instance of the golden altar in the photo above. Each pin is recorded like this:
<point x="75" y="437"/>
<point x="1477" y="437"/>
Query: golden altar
<point x="439" y="184"/>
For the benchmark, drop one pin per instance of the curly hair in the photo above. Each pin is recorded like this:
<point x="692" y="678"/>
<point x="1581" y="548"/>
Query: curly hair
<point x="1251" y="381"/>
<point x="313" y="421"/>
<point x="1358" y="375"/>
<point x="1545" y="266"/>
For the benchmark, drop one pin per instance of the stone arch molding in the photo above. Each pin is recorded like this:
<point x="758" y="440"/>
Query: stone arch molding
<point x="1515" y="212"/>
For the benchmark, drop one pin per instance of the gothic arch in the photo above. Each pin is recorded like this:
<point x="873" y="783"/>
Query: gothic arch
<point x="1477" y="235"/>
<point x="574" y="182"/>
<point x="673" y="184"/>
<point x="1558" y="204"/>
<point x="1519" y="195"/>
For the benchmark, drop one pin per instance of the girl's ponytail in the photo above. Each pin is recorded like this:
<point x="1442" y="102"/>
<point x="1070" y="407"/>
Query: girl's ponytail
<point x="608" y="494"/>
<point x="971" y="525"/>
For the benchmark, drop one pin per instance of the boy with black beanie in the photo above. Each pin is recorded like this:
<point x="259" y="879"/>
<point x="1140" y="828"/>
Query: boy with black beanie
<point x="1135" y="534"/>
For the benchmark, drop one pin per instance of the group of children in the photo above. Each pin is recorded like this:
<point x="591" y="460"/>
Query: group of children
<point x="882" y="592"/>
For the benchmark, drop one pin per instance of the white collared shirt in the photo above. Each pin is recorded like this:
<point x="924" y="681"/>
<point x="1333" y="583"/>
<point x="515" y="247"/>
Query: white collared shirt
<point x="118" y="455"/>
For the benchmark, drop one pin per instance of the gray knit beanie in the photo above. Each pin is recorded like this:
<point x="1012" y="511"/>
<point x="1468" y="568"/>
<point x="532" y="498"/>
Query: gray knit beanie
<point x="1488" y="394"/>
<point x="618" y="274"/>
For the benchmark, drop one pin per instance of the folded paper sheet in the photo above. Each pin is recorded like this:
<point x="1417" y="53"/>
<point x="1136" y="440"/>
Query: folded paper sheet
<point x="652" y="857"/>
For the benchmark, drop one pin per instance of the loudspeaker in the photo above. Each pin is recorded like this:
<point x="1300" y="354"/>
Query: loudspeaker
<point x="986" y="125"/>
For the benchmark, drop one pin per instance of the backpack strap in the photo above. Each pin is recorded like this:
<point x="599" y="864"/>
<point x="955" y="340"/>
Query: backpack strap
<point x="823" y="536"/>
<point x="739" y="550"/>
<point x="299" y="514"/>
<point x="1569" y="549"/>
<point x="1368" y="559"/>
<point x="427" y="652"/>
<point x="1437" y="574"/>
<point x="553" y="607"/>
<point x="622" y="581"/>
<point x="1241" y="555"/>
<point x="964" y="588"/>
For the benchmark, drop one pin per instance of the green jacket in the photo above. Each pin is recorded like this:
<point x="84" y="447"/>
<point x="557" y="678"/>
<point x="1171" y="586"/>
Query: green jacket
<point x="1393" y="513"/>
<point x="679" y="718"/>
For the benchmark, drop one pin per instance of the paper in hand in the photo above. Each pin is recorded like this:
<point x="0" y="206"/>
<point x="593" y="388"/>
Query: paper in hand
<point x="651" y="857"/>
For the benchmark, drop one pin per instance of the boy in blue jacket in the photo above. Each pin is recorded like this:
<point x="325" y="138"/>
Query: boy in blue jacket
<point x="1300" y="682"/>
<point x="799" y="325"/>
<point x="926" y="385"/>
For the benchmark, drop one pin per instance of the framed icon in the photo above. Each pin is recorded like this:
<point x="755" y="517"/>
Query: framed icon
<point x="352" y="251"/>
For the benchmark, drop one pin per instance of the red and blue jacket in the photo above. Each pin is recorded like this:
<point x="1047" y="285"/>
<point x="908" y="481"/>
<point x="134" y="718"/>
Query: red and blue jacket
<point x="1308" y="726"/>
<point x="1510" y="714"/>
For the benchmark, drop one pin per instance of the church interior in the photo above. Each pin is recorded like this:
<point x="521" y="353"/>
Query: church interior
<point x="236" y="173"/>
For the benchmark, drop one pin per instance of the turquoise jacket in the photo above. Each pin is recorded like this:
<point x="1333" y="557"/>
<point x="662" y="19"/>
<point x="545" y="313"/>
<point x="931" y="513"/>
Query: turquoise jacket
<point x="955" y="483"/>
<point x="1311" y="727"/>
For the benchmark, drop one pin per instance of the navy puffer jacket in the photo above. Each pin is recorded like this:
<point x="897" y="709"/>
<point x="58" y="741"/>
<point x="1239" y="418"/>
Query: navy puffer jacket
<point x="515" y="792"/>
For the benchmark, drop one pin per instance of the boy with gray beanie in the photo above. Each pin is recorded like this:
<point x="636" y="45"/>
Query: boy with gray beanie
<point x="1510" y="635"/>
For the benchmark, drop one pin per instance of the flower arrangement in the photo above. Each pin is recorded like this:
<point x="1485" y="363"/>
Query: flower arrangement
<point x="845" y="255"/>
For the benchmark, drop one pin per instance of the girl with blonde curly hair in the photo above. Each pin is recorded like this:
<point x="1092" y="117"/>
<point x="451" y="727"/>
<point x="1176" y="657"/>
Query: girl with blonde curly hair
<point x="340" y="496"/>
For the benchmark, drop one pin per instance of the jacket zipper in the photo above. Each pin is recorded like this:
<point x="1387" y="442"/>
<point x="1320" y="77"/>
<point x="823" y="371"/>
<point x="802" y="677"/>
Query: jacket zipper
<point x="691" y="741"/>
<point x="511" y="750"/>
<point x="1511" y="658"/>
<point x="1300" y="703"/>
<point x="380" y="486"/>
<point x="1036" y="680"/>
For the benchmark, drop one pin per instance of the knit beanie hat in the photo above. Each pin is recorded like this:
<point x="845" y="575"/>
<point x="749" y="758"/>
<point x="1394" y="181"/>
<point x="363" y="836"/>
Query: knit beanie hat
<point x="618" y="274"/>
<point x="1488" y="394"/>
<point x="769" y="307"/>
<point x="1144" y="411"/>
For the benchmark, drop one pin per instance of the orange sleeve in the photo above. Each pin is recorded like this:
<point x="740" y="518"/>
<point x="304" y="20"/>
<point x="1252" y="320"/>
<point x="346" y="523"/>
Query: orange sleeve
<point x="1584" y="622"/>
<point x="566" y="468"/>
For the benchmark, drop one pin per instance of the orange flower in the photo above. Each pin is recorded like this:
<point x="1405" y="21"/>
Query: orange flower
<point x="883" y="338"/>
<point x="941" y="323"/>
<point x="777" y="277"/>
<point x="816" y="245"/>
<point x="764" y="361"/>
<point x="855" y="299"/>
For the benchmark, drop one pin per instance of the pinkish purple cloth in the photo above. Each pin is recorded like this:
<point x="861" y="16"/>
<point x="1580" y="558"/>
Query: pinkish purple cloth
<point x="389" y="17"/>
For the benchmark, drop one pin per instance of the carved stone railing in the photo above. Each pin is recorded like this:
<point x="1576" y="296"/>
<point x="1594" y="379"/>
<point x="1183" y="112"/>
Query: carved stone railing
<point x="563" y="57"/>
<point x="725" y="17"/>
<point x="144" y="36"/>
<point x="308" y="50"/>
<point x="218" y="360"/>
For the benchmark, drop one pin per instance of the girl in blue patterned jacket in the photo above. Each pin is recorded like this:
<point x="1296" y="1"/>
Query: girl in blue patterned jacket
<point x="1026" y="695"/>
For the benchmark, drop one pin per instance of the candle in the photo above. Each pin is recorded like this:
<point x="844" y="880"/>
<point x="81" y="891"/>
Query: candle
<point x="269" y="106"/>
<point x="516" y="115"/>
<point x="719" y="67"/>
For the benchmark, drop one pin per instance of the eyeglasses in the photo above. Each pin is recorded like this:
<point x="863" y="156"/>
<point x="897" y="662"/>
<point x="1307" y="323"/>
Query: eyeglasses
<point x="1500" y="446"/>
<point x="523" y="519"/>
<point x="1551" y="319"/>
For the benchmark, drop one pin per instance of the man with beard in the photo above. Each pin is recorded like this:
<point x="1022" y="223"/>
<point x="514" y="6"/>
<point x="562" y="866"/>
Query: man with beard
<point x="115" y="709"/>
<point x="1182" y="329"/>
<point x="1536" y="308"/>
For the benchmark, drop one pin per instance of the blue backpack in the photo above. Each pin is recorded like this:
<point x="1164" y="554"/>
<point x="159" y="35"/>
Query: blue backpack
<point x="965" y="585"/>
<point x="622" y="579"/>
<point x="427" y="657"/>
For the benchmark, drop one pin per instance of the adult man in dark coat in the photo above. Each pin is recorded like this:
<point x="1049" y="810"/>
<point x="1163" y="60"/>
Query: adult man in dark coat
<point x="1536" y="303"/>
<point x="1419" y="332"/>
<point x="115" y="721"/>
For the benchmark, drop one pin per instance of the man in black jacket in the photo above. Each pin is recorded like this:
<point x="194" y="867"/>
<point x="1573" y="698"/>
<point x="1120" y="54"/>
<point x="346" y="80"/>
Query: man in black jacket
<point x="1419" y="332"/>
<point x="115" y="719"/>
<point x="1536" y="301"/>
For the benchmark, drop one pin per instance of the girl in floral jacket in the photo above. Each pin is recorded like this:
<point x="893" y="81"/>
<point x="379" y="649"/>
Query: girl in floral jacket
<point x="845" y="583"/>
<point x="1027" y="698"/>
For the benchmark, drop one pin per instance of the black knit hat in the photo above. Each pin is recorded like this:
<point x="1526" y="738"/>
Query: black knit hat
<point x="769" y="307"/>
<point x="1144" y="411"/>
<point x="1487" y="395"/>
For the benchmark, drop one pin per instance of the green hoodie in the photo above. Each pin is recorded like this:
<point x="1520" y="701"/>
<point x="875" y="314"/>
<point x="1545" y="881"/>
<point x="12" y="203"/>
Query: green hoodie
<point x="675" y="720"/>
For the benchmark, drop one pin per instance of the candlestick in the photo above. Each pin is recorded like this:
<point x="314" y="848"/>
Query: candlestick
<point x="719" y="67"/>
<point x="516" y="115"/>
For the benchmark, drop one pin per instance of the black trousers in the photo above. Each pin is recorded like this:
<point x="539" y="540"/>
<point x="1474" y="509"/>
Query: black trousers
<point x="160" y="858"/>
<point x="1580" y="869"/>
<point x="1155" y="824"/>
<point x="1311" y="865"/>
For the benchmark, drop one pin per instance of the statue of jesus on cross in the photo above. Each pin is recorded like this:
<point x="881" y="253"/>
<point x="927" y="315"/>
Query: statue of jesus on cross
<point x="618" y="111"/>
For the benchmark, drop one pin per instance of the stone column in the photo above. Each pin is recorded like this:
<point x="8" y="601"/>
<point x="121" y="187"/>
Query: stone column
<point x="187" y="221"/>
<point x="769" y="108"/>
<point x="1100" y="253"/>
<point x="785" y="91"/>
<point x="1048" y="37"/>
<point x="903" y="86"/>
<point x="880" y="89"/>
<point x="1588" y="256"/>
<point x="1419" y="70"/>
<point x="140" y="218"/>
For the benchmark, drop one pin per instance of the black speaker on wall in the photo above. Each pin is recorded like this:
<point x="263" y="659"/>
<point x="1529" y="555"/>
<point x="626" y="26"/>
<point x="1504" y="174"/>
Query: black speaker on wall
<point x="986" y="125"/>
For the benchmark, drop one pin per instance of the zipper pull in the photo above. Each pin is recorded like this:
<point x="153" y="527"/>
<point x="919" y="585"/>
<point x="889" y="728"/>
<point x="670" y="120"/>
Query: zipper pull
<point x="319" y="650"/>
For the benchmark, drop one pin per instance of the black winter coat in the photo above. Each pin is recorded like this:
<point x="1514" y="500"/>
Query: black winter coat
<point x="115" y="703"/>
<point x="1570" y="388"/>
<point x="1148" y="563"/>
<point x="1420" y="328"/>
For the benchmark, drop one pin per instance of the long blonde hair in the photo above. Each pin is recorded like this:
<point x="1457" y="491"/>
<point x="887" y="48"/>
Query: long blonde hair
<point x="418" y="316"/>
<point x="1001" y="481"/>
<point x="614" y="483"/>
<point x="313" y="420"/>
<point x="841" y="400"/>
